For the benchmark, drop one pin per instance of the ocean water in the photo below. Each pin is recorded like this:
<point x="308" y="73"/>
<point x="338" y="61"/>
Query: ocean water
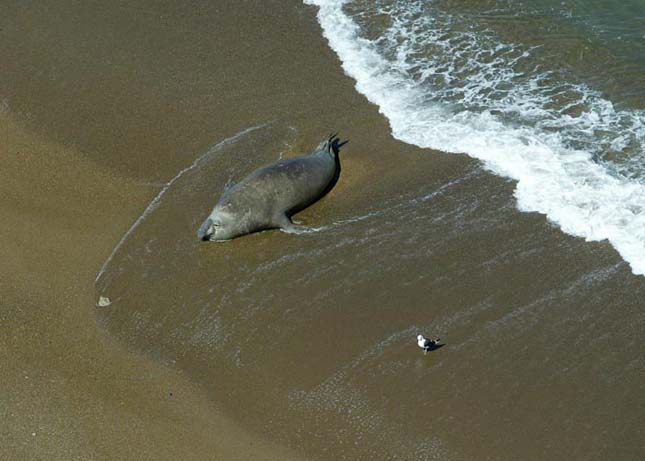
<point x="548" y="93"/>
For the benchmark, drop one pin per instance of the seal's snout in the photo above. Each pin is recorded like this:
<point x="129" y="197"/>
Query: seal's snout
<point x="206" y="230"/>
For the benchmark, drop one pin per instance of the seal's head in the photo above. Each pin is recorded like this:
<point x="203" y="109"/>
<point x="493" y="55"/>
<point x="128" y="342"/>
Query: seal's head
<point x="220" y="225"/>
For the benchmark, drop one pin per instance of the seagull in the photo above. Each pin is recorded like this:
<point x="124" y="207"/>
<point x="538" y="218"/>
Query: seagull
<point x="426" y="344"/>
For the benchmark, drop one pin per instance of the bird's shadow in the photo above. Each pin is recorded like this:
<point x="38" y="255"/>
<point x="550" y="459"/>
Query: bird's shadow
<point x="434" y="347"/>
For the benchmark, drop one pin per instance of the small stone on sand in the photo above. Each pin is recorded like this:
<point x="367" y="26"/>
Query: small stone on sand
<point x="104" y="301"/>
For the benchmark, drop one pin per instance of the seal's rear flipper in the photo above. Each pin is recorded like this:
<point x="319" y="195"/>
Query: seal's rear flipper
<point x="334" y="143"/>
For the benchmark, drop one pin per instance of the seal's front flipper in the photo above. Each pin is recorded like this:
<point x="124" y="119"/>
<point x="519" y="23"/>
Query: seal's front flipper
<point x="286" y="225"/>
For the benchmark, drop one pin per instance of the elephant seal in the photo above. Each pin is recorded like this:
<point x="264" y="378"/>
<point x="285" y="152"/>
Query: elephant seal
<point x="268" y="197"/>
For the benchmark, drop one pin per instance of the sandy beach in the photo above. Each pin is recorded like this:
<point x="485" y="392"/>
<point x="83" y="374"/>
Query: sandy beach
<point x="102" y="105"/>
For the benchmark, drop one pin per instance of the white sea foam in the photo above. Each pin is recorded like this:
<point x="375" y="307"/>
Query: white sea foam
<point x="463" y="92"/>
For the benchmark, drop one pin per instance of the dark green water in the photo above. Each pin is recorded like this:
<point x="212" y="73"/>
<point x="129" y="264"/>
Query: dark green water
<point x="548" y="94"/>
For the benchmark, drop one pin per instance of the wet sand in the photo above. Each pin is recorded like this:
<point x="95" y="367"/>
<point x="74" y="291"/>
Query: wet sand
<point x="103" y="104"/>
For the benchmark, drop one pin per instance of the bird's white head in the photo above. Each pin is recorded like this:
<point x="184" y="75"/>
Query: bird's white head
<point x="420" y="338"/>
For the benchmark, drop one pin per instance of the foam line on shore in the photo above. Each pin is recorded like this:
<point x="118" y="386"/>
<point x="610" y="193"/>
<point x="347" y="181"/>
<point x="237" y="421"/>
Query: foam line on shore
<point x="552" y="154"/>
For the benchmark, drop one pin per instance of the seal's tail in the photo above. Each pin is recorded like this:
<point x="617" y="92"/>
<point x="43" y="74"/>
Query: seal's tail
<point x="334" y="144"/>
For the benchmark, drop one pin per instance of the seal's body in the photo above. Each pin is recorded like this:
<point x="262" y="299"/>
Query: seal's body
<point x="268" y="197"/>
